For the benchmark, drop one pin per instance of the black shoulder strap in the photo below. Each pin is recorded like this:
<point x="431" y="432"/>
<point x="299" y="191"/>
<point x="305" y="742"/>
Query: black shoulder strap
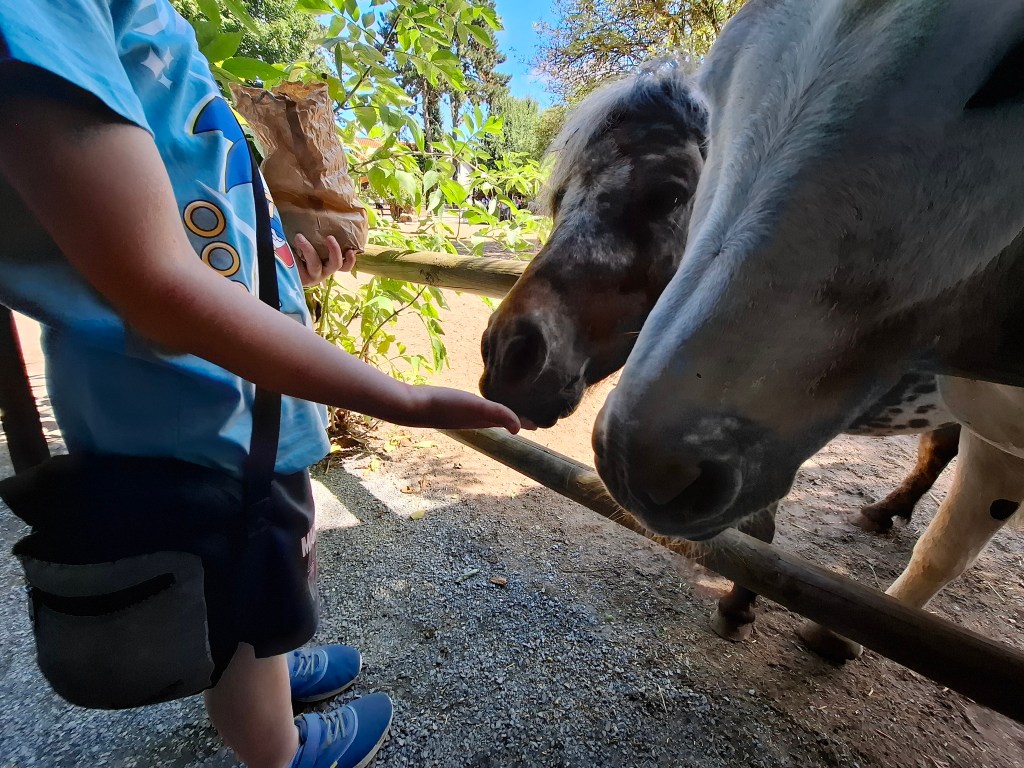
<point x="20" y="417"/>
<point x="266" y="409"/>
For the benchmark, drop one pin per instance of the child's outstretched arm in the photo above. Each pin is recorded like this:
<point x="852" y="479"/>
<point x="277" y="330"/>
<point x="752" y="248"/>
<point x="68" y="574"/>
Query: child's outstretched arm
<point x="98" y="185"/>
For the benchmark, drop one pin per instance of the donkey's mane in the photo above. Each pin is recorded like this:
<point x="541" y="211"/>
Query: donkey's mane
<point x="663" y="87"/>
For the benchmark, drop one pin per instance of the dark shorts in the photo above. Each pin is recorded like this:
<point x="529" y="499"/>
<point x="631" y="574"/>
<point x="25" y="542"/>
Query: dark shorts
<point x="259" y="566"/>
<point x="276" y="604"/>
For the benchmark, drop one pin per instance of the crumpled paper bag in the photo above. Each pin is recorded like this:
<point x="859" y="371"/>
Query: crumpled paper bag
<point x="305" y="164"/>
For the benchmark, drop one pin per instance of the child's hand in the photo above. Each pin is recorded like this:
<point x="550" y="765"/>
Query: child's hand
<point x="445" y="408"/>
<point x="314" y="268"/>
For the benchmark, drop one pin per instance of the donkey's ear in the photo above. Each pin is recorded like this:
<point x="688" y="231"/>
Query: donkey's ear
<point x="1005" y="84"/>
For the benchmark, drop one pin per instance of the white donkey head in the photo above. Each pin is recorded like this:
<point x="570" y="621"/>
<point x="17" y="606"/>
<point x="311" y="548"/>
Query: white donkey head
<point x="864" y="176"/>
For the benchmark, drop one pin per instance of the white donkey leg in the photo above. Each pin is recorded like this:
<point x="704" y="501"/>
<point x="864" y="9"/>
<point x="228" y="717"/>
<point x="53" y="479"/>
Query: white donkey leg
<point x="986" y="491"/>
<point x="987" y="488"/>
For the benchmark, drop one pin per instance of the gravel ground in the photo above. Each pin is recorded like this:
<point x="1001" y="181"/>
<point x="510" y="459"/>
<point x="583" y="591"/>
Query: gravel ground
<point x="524" y="672"/>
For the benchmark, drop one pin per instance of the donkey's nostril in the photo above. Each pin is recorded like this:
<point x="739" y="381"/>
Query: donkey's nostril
<point x="524" y="352"/>
<point x="683" y="496"/>
<point x="713" y="488"/>
<point x="670" y="481"/>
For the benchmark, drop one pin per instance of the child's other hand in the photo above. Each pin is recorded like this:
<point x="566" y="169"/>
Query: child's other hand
<point x="445" y="408"/>
<point x="314" y="267"/>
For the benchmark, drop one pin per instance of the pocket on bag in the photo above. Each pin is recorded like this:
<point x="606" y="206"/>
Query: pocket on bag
<point x="121" y="634"/>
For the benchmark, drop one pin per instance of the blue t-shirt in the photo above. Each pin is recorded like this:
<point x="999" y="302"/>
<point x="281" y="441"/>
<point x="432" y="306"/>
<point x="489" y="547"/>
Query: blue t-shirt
<point x="111" y="391"/>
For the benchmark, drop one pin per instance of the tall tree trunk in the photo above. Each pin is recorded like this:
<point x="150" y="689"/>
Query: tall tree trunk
<point x="456" y="100"/>
<point x="429" y="98"/>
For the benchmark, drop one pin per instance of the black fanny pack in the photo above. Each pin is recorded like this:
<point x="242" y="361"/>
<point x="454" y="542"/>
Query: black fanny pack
<point x="127" y="554"/>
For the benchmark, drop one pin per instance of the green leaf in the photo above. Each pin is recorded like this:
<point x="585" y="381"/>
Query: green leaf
<point x="223" y="75"/>
<point x="482" y="35"/>
<point x="383" y="302"/>
<point x="222" y="46"/>
<point x="240" y="12"/>
<point x="252" y="69"/>
<point x="440" y="353"/>
<point x="210" y="10"/>
<point x="339" y="60"/>
<point x="378" y="180"/>
<point x="490" y="15"/>
<point x="407" y="184"/>
<point x="442" y="55"/>
<point x="206" y="32"/>
<point x="454" y="192"/>
<point x="430" y="179"/>
<point x="367" y="117"/>
<point x="417" y="135"/>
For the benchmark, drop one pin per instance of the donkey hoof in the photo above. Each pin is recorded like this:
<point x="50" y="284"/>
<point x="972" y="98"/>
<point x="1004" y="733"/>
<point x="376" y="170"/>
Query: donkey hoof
<point x="730" y="629"/>
<point x="872" y="521"/>
<point x="828" y="644"/>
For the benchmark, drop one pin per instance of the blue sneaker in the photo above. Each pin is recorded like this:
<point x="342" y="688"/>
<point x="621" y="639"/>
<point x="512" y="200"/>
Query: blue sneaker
<point x="322" y="671"/>
<point x="345" y="737"/>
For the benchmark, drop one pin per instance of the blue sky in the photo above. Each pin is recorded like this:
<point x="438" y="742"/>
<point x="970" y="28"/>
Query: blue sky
<point x="519" y="43"/>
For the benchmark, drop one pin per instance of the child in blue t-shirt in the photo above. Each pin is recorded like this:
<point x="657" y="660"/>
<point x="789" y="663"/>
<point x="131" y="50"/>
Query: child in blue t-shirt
<point x="129" y="232"/>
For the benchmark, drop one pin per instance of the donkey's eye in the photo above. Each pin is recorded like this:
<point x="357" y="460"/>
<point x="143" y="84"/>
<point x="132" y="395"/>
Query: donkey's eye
<point x="662" y="199"/>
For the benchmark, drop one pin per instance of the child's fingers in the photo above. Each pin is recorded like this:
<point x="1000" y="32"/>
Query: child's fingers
<point x="503" y="417"/>
<point x="335" y="258"/>
<point x="315" y="267"/>
<point x="455" y="409"/>
<point x="474" y="412"/>
<point x="310" y="267"/>
<point x="348" y="262"/>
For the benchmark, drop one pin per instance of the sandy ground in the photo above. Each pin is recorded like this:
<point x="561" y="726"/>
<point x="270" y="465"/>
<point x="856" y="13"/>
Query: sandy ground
<point x="593" y="647"/>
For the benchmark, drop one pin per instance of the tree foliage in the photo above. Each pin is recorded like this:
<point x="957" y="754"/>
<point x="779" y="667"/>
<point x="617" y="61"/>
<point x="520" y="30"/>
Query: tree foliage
<point x="549" y="124"/>
<point x="520" y="119"/>
<point x="481" y="81"/>
<point x="594" y="40"/>
<point x="479" y="64"/>
<point x="362" y="49"/>
<point x="280" y="31"/>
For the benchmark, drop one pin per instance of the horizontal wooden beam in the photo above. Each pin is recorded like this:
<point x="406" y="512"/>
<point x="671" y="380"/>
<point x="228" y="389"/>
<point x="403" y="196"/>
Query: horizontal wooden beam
<point x="482" y="275"/>
<point x="989" y="672"/>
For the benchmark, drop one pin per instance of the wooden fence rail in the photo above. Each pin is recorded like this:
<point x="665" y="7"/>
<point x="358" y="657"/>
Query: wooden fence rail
<point x="472" y="274"/>
<point x="989" y="672"/>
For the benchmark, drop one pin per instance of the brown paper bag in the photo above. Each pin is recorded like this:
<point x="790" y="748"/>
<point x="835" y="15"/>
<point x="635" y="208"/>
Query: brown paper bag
<point x="305" y="165"/>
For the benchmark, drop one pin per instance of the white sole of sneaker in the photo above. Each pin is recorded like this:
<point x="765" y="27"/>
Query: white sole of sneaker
<point x="373" y="755"/>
